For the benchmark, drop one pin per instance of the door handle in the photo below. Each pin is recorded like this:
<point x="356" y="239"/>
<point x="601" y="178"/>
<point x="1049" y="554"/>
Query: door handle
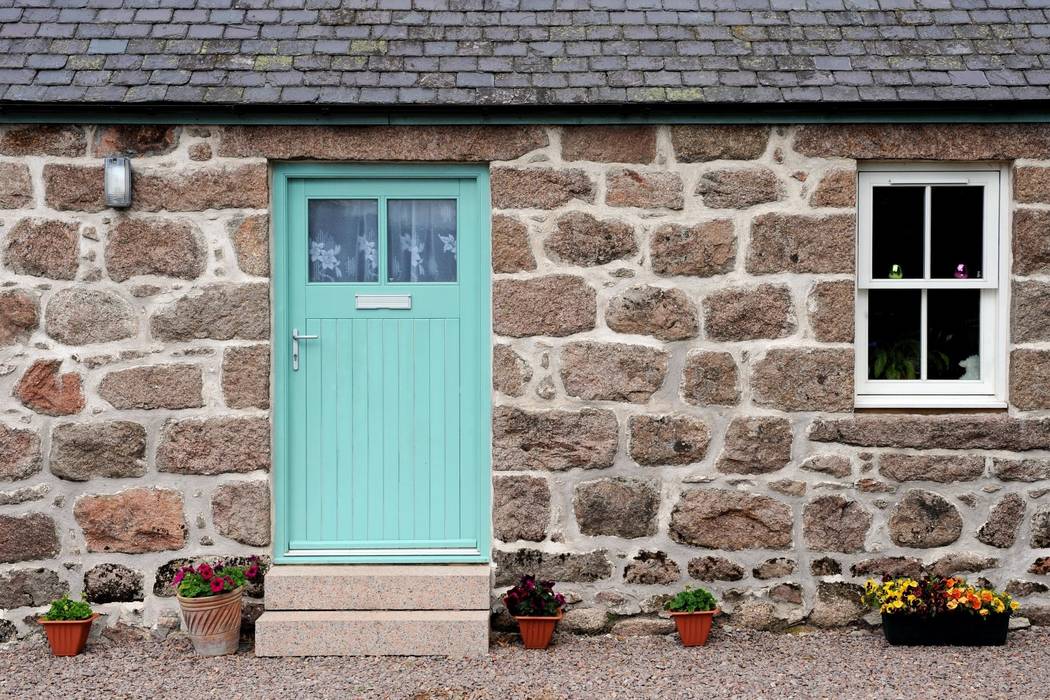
<point x="295" y="346"/>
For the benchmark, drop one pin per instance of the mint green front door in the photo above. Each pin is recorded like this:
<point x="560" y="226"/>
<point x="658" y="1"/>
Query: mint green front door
<point x="381" y="363"/>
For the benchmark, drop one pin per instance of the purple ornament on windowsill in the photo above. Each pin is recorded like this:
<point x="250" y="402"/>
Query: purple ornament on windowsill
<point x="961" y="273"/>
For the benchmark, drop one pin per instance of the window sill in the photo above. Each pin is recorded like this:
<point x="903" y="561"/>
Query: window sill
<point x="942" y="402"/>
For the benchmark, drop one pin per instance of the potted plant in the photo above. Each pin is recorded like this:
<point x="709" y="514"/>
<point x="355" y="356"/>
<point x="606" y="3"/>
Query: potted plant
<point x="67" y="624"/>
<point x="537" y="608"/>
<point x="209" y="596"/>
<point x="933" y="610"/>
<point x="693" y="611"/>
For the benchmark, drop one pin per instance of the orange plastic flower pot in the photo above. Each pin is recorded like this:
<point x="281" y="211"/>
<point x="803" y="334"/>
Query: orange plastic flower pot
<point x="693" y="627"/>
<point x="536" y="632"/>
<point x="67" y="637"/>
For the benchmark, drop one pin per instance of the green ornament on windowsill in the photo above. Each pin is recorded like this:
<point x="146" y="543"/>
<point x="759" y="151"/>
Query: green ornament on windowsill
<point x="896" y="272"/>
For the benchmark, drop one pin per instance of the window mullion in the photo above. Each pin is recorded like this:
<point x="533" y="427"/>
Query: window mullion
<point x="927" y="216"/>
<point x="926" y="232"/>
<point x="922" y="336"/>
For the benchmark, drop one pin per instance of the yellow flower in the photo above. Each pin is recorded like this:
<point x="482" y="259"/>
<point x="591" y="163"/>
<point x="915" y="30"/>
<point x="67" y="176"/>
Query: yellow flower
<point x="952" y="604"/>
<point x="984" y="611"/>
<point x="998" y="606"/>
<point x="986" y="596"/>
<point x="1014" y="605"/>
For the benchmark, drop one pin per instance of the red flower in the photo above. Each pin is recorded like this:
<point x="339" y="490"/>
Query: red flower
<point x="252" y="571"/>
<point x="217" y="584"/>
<point x="205" y="571"/>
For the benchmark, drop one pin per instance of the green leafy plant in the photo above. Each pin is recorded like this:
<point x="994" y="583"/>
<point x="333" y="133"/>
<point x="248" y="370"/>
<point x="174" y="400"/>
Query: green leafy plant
<point x="65" y="609"/>
<point x="692" y="600"/>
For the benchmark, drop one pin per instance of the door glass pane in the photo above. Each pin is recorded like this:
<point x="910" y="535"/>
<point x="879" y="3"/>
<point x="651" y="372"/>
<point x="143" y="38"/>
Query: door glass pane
<point x="894" y="324"/>
<point x="897" y="232"/>
<point x="421" y="235"/>
<point x="343" y="236"/>
<point x="956" y="232"/>
<point x="953" y="320"/>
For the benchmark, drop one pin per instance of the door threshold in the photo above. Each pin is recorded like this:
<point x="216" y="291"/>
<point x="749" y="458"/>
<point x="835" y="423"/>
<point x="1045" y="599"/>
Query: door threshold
<point x="473" y="552"/>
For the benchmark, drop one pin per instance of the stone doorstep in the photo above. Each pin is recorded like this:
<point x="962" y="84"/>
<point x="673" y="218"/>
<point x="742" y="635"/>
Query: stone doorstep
<point x="379" y="587"/>
<point x="453" y="633"/>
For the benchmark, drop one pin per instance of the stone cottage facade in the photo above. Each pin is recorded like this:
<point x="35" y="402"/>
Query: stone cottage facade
<point x="672" y="366"/>
<point x="672" y="348"/>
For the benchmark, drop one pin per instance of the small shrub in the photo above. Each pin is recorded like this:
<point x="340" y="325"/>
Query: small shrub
<point x="216" y="578"/>
<point x="66" y="609"/>
<point x="692" y="600"/>
<point x="532" y="598"/>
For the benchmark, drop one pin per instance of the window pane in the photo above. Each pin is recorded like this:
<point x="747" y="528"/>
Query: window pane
<point x="897" y="232"/>
<point x="956" y="232"/>
<point x="953" y="320"/>
<point x="894" y="324"/>
<point x="343" y="235"/>
<point x="421" y="235"/>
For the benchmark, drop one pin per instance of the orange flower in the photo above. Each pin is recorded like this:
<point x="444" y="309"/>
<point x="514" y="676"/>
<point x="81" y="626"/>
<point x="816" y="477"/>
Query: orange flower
<point x="950" y="583"/>
<point x="976" y="603"/>
<point x="986" y="596"/>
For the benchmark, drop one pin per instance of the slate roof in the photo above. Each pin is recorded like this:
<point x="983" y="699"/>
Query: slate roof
<point x="506" y="52"/>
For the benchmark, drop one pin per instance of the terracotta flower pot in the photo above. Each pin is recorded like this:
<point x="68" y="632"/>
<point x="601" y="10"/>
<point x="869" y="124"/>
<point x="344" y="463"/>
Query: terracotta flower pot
<point x="693" y="627"/>
<point x="213" y="623"/>
<point x="536" y="632"/>
<point x="67" y="637"/>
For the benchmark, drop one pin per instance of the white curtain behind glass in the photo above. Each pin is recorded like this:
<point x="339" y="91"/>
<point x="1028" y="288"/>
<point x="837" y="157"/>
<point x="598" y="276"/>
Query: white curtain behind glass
<point x="343" y="237"/>
<point x="421" y="236"/>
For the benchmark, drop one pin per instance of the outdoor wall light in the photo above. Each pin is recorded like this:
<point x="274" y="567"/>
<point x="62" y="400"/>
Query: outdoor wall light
<point x="118" y="182"/>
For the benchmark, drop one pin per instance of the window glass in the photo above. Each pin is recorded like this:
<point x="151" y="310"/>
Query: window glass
<point x="897" y="225"/>
<point x="953" y="338"/>
<point x="956" y="239"/>
<point x="894" y="333"/>
<point x="343" y="237"/>
<point x="421" y="239"/>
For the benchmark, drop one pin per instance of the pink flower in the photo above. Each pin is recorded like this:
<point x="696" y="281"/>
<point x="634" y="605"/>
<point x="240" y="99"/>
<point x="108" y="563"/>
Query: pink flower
<point x="252" y="571"/>
<point x="178" y="577"/>
<point x="205" y="571"/>
<point x="217" y="584"/>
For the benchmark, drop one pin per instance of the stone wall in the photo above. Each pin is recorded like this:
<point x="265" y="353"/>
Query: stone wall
<point x="673" y="319"/>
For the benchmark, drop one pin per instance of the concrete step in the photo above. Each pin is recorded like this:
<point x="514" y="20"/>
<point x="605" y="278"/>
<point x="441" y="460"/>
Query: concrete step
<point x="378" y="587"/>
<point x="372" y="633"/>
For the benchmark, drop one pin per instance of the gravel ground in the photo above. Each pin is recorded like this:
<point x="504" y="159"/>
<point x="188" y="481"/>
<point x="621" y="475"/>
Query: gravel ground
<point x="734" y="665"/>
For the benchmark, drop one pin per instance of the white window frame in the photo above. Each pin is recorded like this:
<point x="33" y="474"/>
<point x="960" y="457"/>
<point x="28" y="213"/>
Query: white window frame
<point x="990" y="390"/>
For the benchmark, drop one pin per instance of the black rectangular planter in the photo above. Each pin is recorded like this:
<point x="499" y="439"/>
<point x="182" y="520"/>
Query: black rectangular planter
<point x="953" y="629"/>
